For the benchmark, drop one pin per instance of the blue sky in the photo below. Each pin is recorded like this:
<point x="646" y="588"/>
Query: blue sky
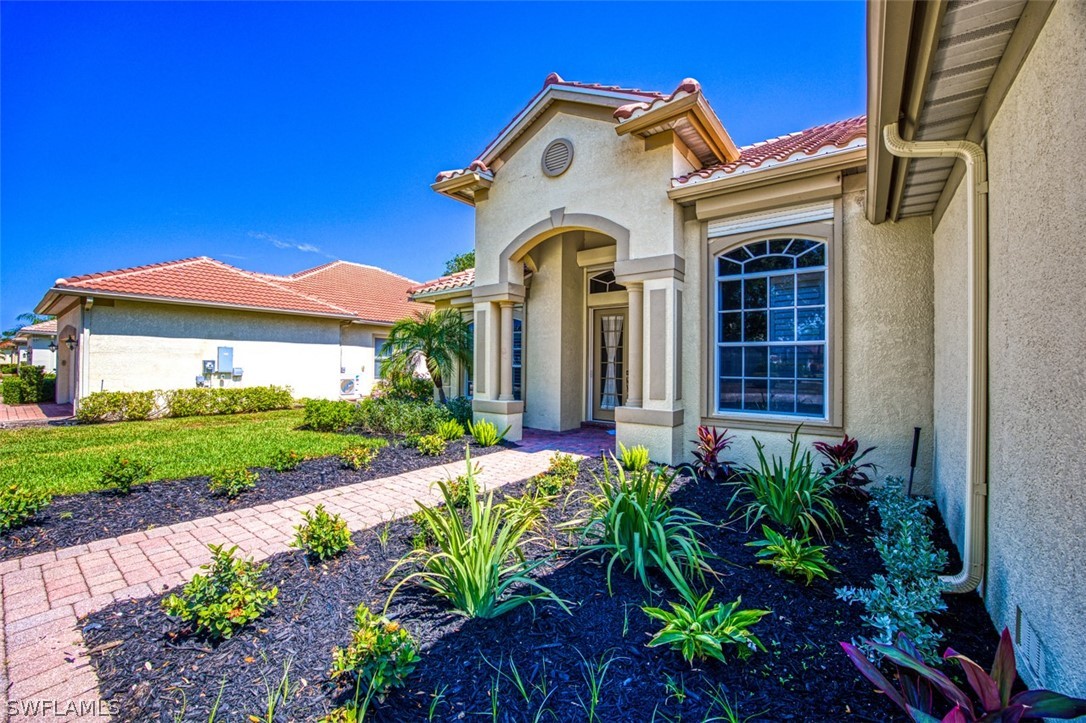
<point x="277" y="136"/>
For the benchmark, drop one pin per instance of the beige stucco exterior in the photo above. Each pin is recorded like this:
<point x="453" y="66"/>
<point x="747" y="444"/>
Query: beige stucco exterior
<point x="1037" y="333"/>
<point x="129" y="345"/>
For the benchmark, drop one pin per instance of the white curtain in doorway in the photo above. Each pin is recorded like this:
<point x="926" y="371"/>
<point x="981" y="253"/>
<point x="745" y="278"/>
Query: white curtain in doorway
<point x="612" y="341"/>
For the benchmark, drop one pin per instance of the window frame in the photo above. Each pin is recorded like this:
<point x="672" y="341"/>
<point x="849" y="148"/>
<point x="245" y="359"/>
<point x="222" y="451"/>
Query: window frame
<point x="378" y="360"/>
<point x="827" y="232"/>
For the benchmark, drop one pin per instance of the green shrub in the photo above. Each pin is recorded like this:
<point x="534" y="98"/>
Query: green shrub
<point x="792" y="556"/>
<point x="18" y="506"/>
<point x="130" y="406"/>
<point x="634" y="459"/>
<point x="404" y="387"/>
<point x="698" y="631"/>
<point x="633" y="523"/>
<point x="450" y="430"/>
<point x="360" y="456"/>
<point x="424" y="535"/>
<point x="902" y="600"/>
<point x="122" y="472"/>
<point x="322" y="415"/>
<point x="388" y="416"/>
<point x="285" y="460"/>
<point x="486" y="434"/>
<point x="33" y="379"/>
<point x="230" y="483"/>
<point x="560" y="476"/>
<point x="790" y="493"/>
<point x="322" y="535"/>
<point x="223" y="599"/>
<point x="461" y="488"/>
<point x="478" y="568"/>
<point x="379" y="657"/>
<point x="431" y="445"/>
<point x="49" y="388"/>
<point x="460" y="409"/>
<point x="9" y="368"/>
<point x="528" y="508"/>
<point x="12" y="390"/>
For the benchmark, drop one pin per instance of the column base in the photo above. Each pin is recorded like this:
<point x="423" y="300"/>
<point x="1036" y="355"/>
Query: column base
<point x="661" y="431"/>
<point x="501" y="414"/>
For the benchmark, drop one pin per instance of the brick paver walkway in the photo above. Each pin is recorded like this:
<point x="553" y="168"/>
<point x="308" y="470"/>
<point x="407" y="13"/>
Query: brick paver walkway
<point x="18" y="415"/>
<point x="45" y="594"/>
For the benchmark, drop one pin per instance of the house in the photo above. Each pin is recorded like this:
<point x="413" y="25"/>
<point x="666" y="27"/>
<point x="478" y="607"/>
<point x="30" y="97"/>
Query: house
<point x="36" y="345"/>
<point x="201" y="322"/>
<point x="8" y="352"/>
<point x="636" y="268"/>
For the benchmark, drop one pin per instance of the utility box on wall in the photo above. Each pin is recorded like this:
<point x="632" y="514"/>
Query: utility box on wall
<point x="225" y="359"/>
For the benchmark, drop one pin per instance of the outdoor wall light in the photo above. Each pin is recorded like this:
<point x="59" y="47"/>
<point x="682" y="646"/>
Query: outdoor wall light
<point x="53" y="346"/>
<point x="70" y="342"/>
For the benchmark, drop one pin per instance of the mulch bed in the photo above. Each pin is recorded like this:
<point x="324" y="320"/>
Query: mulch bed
<point x="79" y="519"/>
<point x="156" y="675"/>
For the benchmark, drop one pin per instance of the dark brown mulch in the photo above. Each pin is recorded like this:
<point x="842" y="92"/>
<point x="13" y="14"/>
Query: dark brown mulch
<point x="156" y="675"/>
<point x="79" y="519"/>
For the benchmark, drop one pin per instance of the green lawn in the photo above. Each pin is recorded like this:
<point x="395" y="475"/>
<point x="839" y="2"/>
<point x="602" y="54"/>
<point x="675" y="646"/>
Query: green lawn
<point x="66" y="460"/>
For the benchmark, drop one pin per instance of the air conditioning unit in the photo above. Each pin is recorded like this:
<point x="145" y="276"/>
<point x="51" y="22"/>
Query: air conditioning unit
<point x="348" y="387"/>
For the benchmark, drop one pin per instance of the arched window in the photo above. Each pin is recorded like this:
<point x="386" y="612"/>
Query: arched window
<point x="604" y="283"/>
<point x="771" y="328"/>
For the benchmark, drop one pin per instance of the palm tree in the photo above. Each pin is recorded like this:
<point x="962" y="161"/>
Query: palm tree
<point x="439" y="338"/>
<point x="29" y="318"/>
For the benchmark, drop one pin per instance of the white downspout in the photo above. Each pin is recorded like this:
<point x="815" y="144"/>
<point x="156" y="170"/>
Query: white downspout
<point x="976" y="421"/>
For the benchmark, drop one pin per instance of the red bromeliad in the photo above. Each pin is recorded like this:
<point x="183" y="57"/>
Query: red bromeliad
<point x="711" y="442"/>
<point x="843" y="457"/>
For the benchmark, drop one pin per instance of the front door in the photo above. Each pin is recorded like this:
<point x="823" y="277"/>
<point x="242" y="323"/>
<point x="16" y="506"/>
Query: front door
<point x="608" y="362"/>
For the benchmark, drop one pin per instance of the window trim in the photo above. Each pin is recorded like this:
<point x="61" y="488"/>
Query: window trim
<point x="378" y="360"/>
<point x="828" y="232"/>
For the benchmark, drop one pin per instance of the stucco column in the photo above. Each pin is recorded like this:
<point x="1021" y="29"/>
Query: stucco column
<point x="505" y="389"/>
<point x="634" y="344"/>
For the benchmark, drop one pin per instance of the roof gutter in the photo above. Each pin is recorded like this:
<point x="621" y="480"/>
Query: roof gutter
<point x="974" y="551"/>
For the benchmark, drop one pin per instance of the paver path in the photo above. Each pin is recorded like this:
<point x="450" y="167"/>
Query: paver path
<point x="21" y="415"/>
<point x="45" y="594"/>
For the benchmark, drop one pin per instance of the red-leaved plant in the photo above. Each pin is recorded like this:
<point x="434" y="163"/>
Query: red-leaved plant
<point x="919" y="685"/>
<point x="843" y="456"/>
<point x="711" y="442"/>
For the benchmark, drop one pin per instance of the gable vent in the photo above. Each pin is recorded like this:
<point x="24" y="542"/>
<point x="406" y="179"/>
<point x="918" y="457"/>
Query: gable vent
<point x="557" y="157"/>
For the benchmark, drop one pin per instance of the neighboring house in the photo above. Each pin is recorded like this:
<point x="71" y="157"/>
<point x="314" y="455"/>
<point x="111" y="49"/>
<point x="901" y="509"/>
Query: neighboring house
<point x="37" y="345"/>
<point x="9" y="353"/>
<point x="200" y="322"/>
<point x="659" y="277"/>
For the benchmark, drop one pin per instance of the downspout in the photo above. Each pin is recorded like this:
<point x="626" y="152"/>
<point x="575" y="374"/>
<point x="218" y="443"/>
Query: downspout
<point x="976" y="423"/>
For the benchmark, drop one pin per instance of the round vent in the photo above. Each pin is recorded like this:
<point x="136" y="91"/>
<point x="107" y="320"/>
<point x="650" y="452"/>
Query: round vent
<point x="557" y="156"/>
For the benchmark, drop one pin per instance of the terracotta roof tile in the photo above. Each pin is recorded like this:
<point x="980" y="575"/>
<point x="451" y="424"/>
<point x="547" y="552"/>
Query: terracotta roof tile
<point x="42" y="327"/>
<point x="459" y="280"/>
<point x="338" y="289"/>
<point x="851" y="132"/>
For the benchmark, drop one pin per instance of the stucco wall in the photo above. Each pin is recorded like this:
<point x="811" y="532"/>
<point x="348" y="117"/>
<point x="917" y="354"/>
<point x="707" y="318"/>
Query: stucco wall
<point x="887" y="343"/>
<point x="135" y="346"/>
<point x="40" y="355"/>
<point x="554" y="337"/>
<point x="611" y="176"/>
<point x="1037" y="386"/>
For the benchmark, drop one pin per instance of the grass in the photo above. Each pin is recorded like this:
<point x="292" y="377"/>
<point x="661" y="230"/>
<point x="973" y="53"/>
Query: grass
<point x="68" y="460"/>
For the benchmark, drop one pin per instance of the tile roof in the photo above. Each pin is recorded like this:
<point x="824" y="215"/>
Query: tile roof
<point x="338" y="289"/>
<point x="553" y="80"/>
<point x="451" y="282"/>
<point x="47" y="327"/>
<point x="819" y="140"/>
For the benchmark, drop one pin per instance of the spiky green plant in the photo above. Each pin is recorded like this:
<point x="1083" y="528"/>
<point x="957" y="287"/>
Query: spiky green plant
<point x="792" y="555"/>
<point x="486" y="434"/>
<point x="698" y="631"/>
<point x="633" y="459"/>
<point x="788" y="492"/>
<point x="633" y="522"/>
<point x="478" y="566"/>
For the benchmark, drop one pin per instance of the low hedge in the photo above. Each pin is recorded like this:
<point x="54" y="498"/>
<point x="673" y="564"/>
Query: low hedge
<point x="132" y="406"/>
<point x="31" y="386"/>
<point x="376" y="415"/>
<point x="9" y="368"/>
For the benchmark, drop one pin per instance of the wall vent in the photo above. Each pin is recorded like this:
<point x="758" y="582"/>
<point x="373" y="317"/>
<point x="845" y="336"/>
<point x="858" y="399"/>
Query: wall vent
<point x="557" y="157"/>
<point x="1031" y="651"/>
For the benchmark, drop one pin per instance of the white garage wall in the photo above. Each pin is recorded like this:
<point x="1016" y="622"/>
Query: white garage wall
<point x="136" y="346"/>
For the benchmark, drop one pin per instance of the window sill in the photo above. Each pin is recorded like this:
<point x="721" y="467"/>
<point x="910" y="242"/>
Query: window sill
<point x="810" y="427"/>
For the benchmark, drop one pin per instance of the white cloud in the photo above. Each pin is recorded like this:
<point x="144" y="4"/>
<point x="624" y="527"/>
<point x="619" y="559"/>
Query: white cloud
<point x="286" y="243"/>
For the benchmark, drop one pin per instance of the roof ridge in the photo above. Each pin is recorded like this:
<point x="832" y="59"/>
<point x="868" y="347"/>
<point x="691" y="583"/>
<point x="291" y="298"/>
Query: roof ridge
<point x="127" y="271"/>
<point x="324" y="267"/>
<point x="265" y="280"/>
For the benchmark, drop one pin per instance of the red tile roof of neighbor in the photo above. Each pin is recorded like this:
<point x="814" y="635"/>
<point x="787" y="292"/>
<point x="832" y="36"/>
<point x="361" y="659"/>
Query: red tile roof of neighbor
<point x="794" y="146"/>
<point x="339" y="289"/>
<point x="451" y="282"/>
